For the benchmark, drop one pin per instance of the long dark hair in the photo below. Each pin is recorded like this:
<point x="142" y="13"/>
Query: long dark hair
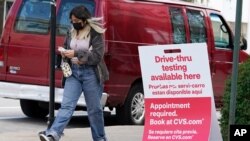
<point x="80" y="12"/>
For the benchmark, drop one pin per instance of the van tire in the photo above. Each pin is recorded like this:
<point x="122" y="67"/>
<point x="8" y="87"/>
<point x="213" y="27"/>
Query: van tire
<point x="134" y="100"/>
<point x="33" y="109"/>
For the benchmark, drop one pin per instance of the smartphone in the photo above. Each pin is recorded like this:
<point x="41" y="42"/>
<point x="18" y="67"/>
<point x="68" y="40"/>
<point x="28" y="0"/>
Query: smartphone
<point x="61" y="49"/>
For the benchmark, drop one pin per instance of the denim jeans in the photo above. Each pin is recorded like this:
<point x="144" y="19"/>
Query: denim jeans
<point x="83" y="79"/>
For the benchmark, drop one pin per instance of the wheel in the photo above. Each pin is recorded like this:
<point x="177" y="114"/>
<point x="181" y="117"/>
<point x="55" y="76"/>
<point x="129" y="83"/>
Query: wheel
<point x="33" y="109"/>
<point x="133" y="111"/>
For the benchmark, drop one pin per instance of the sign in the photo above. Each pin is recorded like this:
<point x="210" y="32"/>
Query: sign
<point x="178" y="93"/>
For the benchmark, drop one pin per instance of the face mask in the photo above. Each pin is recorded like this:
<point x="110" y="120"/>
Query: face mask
<point x="78" y="26"/>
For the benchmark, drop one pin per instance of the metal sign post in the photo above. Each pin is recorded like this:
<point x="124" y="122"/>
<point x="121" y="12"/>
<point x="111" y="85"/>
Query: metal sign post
<point x="52" y="61"/>
<point x="235" y="63"/>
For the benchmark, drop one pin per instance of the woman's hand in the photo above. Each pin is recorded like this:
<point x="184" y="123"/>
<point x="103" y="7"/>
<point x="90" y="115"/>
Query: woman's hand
<point x="68" y="53"/>
<point x="62" y="54"/>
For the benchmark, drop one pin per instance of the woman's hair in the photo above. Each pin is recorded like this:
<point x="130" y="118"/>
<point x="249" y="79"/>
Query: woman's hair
<point x="81" y="12"/>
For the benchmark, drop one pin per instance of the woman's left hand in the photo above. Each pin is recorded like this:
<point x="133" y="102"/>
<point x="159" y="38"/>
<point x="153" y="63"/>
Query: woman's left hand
<point x="69" y="53"/>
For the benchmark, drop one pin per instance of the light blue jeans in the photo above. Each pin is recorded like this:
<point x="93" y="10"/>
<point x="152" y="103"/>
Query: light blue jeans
<point x="83" y="79"/>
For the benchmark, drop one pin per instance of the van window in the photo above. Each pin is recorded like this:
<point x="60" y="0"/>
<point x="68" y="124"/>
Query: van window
<point x="221" y="34"/>
<point x="197" y="26"/>
<point x="33" y="17"/>
<point x="178" y="26"/>
<point x="7" y="8"/>
<point x="63" y="21"/>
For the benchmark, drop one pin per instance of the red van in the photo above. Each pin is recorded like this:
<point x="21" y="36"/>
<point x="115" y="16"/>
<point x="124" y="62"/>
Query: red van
<point x="24" y="48"/>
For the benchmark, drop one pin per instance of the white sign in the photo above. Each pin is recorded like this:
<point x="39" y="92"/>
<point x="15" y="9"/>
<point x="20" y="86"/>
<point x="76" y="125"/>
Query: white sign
<point x="178" y="93"/>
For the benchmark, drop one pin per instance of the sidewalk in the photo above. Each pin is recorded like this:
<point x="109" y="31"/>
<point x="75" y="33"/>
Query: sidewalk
<point x="114" y="133"/>
<point x="74" y="132"/>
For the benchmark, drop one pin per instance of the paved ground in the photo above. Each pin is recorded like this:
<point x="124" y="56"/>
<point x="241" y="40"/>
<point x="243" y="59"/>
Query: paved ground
<point x="114" y="133"/>
<point x="14" y="126"/>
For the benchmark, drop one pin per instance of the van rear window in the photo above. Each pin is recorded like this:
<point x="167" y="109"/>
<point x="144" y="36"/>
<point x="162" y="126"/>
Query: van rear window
<point x="63" y="21"/>
<point x="197" y="27"/>
<point x="178" y="25"/>
<point x="33" y="17"/>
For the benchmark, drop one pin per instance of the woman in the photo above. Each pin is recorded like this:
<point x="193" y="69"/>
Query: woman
<point x="84" y="50"/>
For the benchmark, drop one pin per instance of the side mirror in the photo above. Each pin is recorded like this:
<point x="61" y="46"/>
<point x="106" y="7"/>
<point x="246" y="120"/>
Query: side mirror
<point x="243" y="43"/>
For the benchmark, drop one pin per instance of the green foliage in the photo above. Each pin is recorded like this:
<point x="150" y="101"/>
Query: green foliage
<point x="242" y="113"/>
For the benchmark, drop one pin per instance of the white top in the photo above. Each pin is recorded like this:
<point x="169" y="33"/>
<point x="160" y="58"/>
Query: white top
<point x="76" y="44"/>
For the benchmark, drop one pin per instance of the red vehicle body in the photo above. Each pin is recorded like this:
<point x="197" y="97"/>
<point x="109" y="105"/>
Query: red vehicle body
<point x="25" y="42"/>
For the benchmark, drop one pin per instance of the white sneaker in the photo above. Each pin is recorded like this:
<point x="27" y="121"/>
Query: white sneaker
<point x="43" y="137"/>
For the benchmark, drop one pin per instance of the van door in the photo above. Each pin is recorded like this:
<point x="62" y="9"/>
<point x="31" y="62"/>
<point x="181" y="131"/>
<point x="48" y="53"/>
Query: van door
<point x="29" y="43"/>
<point x="198" y="28"/>
<point x="223" y="54"/>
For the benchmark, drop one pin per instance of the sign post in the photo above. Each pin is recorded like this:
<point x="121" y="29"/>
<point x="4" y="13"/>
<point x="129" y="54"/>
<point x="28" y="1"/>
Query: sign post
<point x="179" y="99"/>
<point x="52" y="62"/>
<point x="235" y="63"/>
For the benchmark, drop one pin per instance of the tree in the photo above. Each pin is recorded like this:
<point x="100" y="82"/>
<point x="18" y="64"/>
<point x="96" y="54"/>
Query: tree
<point x="242" y="114"/>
